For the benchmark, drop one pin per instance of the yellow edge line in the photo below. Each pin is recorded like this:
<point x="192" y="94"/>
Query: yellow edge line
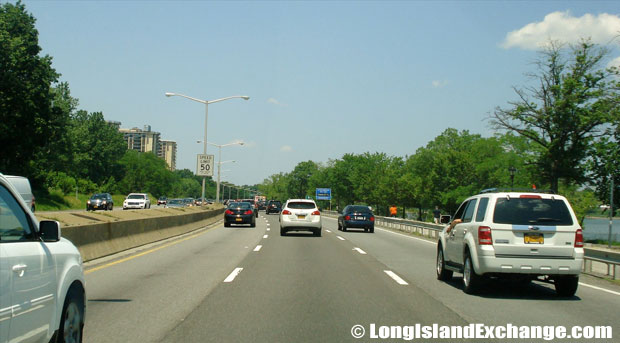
<point x="142" y="253"/>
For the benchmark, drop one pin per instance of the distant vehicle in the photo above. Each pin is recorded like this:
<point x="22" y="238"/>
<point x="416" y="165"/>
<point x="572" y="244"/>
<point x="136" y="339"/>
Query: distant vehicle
<point x="162" y="201"/>
<point x="239" y="213"/>
<point x="254" y="206"/>
<point x="137" y="201"/>
<point x="519" y="236"/>
<point x="189" y="202"/>
<point x="356" y="216"/>
<point x="100" y="201"/>
<point x="42" y="296"/>
<point x="176" y="203"/>
<point x="273" y="206"/>
<point x="23" y="188"/>
<point x="300" y="215"/>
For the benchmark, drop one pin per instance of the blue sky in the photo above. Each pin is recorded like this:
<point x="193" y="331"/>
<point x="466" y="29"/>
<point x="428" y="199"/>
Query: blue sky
<point x="325" y="78"/>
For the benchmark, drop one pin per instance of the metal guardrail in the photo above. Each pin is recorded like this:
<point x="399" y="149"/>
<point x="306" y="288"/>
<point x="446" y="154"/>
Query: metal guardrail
<point x="432" y="231"/>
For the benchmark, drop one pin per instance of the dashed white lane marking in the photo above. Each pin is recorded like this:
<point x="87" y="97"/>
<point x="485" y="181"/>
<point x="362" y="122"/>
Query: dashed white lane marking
<point x="265" y="236"/>
<point x="360" y="251"/>
<point x="258" y="248"/>
<point x="233" y="275"/>
<point x="599" y="288"/>
<point x="340" y="238"/>
<point x="328" y="231"/>
<point x="396" y="277"/>
<point x="268" y="229"/>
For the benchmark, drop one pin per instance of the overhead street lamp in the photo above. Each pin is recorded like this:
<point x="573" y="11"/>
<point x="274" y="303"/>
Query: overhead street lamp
<point x="206" y="103"/>
<point x="220" y="146"/>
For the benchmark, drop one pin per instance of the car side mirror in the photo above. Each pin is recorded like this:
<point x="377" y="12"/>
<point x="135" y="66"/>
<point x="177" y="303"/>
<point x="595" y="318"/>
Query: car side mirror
<point x="49" y="230"/>
<point x="445" y="219"/>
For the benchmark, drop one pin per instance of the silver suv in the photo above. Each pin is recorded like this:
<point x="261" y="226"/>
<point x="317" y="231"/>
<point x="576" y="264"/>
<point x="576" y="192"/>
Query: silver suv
<point x="517" y="235"/>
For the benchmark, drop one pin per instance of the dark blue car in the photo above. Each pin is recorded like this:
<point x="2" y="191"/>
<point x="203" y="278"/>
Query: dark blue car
<point x="357" y="216"/>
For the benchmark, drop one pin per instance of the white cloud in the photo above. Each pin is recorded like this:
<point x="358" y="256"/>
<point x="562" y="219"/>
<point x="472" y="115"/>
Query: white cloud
<point x="614" y="63"/>
<point x="563" y="27"/>
<point x="286" y="148"/>
<point x="275" y="102"/>
<point x="439" y="83"/>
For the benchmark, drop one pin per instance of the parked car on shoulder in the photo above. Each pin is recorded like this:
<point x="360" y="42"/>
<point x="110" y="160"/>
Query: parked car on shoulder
<point x="100" y="201"/>
<point x="239" y="213"/>
<point x="162" y="201"/>
<point x="137" y="201"/>
<point x="519" y="236"/>
<point x="356" y="216"/>
<point x="42" y="294"/>
<point x="300" y="215"/>
<point x="22" y="185"/>
<point x="273" y="206"/>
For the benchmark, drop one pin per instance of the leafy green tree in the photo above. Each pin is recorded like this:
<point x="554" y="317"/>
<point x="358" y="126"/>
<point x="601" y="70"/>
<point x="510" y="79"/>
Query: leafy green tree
<point x="145" y="173"/>
<point x="299" y="179"/>
<point x="27" y="122"/>
<point x="568" y="109"/>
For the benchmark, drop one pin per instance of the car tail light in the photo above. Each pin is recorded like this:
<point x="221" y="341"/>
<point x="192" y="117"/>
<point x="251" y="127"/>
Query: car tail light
<point x="316" y="213"/>
<point x="248" y="212"/>
<point x="484" y="235"/>
<point x="286" y="212"/>
<point x="529" y="196"/>
<point x="579" y="238"/>
<point x="229" y="212"/>
<point x="347" y="217"/>
<point x="372" y="219"/>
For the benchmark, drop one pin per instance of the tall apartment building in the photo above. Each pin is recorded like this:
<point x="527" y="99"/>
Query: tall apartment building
<point x="168" y="151"/>
<point x="145" y="140"/>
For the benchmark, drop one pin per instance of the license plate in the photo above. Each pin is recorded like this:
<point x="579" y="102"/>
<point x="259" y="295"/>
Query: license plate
<point x="239" y="219"/>
<point x="360" y="218"/>
<point x="301" y="217"/>
<point x="534" y="238"/>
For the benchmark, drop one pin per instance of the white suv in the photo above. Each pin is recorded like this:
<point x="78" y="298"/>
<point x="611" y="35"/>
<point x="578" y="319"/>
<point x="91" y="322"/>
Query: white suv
<point x="300" y="215"/>
<point x="137" y="201"/>
<point x="519" y="235"/>
<point x="42" y="297"/>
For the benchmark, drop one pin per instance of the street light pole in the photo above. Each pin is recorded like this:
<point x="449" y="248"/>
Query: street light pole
<point x="206" y="103"/>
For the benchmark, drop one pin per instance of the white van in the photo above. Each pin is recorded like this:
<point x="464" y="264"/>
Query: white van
<point x="23" y="187"/>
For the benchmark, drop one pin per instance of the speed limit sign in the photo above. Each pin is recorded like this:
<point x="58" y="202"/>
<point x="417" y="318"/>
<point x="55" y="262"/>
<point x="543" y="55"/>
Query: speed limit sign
<point x="204" y="165"/>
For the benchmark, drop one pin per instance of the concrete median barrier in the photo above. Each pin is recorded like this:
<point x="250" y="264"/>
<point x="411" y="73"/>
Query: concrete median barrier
<point x="103" y="234"/>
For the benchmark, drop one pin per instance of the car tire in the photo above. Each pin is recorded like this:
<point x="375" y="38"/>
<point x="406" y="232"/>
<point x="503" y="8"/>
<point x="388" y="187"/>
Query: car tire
<point x="372" y="230"/>
<point x="344" y="228"/>
<point x="471" y="280"/>
<point x="253" y="224"/>
<point x="226" y="224"/>
<point x="442" y="273"/>
<point x="282" y="232"/>
<point x="339" y="226"/>
<point x="566" y="286"/>
<point x="318" y="232"/>
<point x="71" y="327"/>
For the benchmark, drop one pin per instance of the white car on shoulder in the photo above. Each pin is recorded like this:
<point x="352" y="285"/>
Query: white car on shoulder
<point x="42" y="296"/>
<point x="137" y="201"/>
<point x="520" y="236"/>
<point x="300" y="215"/>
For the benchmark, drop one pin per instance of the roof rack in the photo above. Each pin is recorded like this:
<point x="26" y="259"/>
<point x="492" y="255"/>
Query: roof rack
<point x="519" y="190"/>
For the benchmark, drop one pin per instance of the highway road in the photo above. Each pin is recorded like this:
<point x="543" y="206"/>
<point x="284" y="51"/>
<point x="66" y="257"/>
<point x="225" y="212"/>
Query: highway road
<point x="244" y="284"/>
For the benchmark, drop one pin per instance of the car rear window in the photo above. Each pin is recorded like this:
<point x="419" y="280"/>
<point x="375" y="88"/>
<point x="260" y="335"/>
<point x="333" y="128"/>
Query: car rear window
<point x="360" y="209"/>
<point x="301" y="205"/>
<point x="241" y="205"/>
<point x="135" y="196"/>
<point x="528" y="211"/>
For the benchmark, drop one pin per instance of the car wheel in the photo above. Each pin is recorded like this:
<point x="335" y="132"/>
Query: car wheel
<point x="442" y="273"/>
<point x="72" y="320"/>
<point x="282" y="232"/>
<point x="344" y="228"/>
<point x="372" y="230"/>
<point x="226" y="224"/>
<point x="339" y="226"/>
<point x="566" y="286"/>
<point x="318" y="232"/>
<point x="471" y="280"/>
<point x="253" y="224"/>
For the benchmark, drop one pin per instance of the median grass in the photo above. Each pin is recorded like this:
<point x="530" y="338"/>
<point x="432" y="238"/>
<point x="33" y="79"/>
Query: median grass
<point x="55" y="200"/>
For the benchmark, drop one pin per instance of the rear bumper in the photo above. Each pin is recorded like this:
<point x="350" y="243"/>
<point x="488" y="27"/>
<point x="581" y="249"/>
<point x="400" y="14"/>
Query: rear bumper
<point x="239" y="219"/>
<point x="309" y="224"/>
<point x="532" y="266"/>
<point x="359" y="224"/>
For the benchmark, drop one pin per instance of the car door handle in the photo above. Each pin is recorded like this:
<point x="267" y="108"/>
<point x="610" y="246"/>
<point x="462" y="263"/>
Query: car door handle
<point x="20" y="269"/>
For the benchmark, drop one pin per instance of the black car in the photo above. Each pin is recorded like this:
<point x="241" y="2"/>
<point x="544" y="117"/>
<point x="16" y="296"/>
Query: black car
<point x="254" y="205"/>
<point x="239" y="213"/>
<point x="357" y="216"/>
<point x="100" y="201"/>
<point x="273" y="206"/>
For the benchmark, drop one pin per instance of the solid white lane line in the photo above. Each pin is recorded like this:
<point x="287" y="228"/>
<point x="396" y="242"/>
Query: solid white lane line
<point x="328" y="231"/>
<point x="233" y="275"/>
<point x="258" y="248"/>
<point x="340" y="238"/>
<point x="265" y="236"/>
<point x="396" y="277"/>
<point x="360" y="251"/>
<point x="599" y="288"/>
